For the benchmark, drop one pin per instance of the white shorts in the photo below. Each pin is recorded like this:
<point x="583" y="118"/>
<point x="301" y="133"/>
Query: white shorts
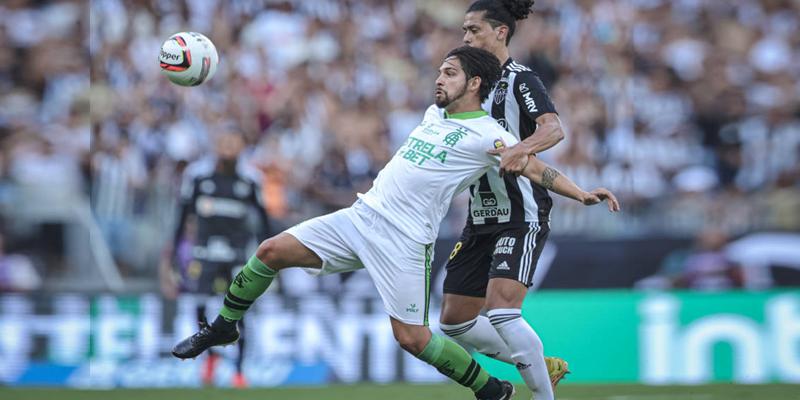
<point x="358" y="237"/>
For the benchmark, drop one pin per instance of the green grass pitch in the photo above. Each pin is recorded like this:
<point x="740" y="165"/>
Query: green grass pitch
<point x="414" y="392"/>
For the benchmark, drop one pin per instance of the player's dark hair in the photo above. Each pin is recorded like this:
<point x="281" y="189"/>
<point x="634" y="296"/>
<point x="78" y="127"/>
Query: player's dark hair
<point x="503" y="12"/>
<point x="480" y="63"/>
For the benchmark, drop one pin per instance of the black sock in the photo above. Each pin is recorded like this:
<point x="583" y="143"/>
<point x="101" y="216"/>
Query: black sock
<point x="223" y="324"/>
<point x="240" y="356"/>
<point x="490" y="390"/>
<point x="201" y="314"/>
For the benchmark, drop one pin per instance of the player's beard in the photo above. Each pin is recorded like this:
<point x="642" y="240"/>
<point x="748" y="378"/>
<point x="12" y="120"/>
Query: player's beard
<point x="444" y="101"/>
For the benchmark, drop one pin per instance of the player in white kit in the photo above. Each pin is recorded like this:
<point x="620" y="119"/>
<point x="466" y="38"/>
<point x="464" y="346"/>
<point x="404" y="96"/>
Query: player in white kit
<point x="391" y="229"/>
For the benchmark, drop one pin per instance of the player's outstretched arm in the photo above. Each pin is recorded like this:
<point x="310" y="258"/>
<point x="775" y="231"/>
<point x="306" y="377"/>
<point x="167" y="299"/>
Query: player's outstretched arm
<point x="547" y="176"/>
<point x="548" y="134"/>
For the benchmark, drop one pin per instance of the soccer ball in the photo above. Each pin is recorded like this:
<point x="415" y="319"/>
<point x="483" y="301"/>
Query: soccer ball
<point x="188" y="58"/>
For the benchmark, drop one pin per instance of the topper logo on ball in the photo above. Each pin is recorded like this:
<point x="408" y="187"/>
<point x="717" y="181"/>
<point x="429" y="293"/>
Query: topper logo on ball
<point x="188" y="58"/>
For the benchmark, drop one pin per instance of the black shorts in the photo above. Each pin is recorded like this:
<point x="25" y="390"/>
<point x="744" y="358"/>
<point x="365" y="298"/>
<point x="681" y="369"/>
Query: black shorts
<point x="494" y="251"/>
<point x="207" y="277"/>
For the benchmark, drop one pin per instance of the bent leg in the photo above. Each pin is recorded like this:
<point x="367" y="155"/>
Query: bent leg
<point x="461" y="320"/>
<point x="313" y="243"/>
<point x="465" y="293"/>
<point x="504" y="299"/>
<point x="272" y="255"/>
<point x="450" y="359"/>
<point x="457" y="309"/>
<point x="284" y="250"/>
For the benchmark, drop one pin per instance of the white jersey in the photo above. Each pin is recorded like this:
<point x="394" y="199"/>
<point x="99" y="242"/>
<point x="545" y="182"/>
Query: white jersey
<point x="441" y="157"/>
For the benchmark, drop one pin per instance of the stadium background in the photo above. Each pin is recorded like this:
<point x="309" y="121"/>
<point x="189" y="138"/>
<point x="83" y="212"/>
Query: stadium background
<point x="687" y="109"/>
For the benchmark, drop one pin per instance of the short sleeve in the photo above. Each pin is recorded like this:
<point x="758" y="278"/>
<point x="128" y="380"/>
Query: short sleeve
<point x="531" y="95"/>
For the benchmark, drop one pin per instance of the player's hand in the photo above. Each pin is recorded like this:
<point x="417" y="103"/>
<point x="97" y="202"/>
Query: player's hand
<point x="598" y="196"/>
<point x="513" y="160"/>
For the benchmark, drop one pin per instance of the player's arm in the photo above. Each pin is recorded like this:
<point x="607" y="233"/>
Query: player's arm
<point x="548" y="177"/>
<point x="548" y="133"/>
<point x="535" y="103"/>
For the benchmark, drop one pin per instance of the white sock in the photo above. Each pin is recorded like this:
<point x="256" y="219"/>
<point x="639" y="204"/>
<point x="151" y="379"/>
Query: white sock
<point x="480" y="335"/>
<point x="526" y="350"/>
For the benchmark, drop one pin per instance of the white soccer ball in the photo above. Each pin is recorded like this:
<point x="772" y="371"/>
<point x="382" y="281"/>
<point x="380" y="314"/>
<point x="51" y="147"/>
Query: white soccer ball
<point x="188" y="58"/>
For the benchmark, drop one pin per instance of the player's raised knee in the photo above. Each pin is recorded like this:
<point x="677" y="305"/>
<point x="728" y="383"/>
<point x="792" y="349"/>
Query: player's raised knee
<point x="268" y="252"/>
<point x="411" y="343"/>
<point x="411" y="340"/>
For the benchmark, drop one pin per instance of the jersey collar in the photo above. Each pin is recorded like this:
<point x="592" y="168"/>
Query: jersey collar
<point x="466" y="115"/>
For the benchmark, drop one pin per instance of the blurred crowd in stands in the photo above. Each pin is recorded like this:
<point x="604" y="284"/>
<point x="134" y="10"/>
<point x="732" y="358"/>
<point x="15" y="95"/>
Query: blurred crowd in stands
<point x="688" y="109"/>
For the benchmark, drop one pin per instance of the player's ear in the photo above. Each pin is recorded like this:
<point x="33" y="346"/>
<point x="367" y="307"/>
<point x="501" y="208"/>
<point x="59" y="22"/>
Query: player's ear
<point x="501" y="32"/>
<point x="474" y="83"/>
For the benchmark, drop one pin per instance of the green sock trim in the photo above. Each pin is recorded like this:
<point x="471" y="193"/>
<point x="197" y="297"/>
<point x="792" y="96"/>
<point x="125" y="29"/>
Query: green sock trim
<point x="259" y="268"/>
<point x="453" y="361"/>
<point x="250" y="283"/>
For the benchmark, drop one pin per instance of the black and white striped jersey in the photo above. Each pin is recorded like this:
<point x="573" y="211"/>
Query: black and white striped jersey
<point x="223" y="204"/>
<point x="515" y="102"/>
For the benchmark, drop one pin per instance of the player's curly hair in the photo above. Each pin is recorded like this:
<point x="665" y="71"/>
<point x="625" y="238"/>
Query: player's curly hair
<point x="480" y="63"/>
<point x="503" y="12"/>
